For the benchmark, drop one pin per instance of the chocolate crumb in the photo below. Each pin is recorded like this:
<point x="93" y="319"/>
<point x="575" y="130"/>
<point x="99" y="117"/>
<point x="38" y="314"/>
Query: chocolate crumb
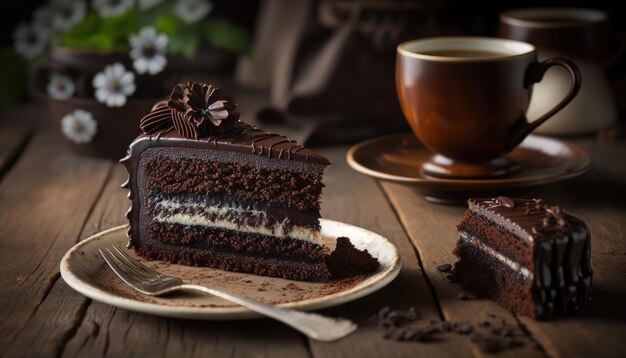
<point x="444" y="267"/>
<point x="464" y="296"/>
<point x="347" y="261"/>
<point x="464" y="328"/>
<point x="494" y="344"/>
<point x="491" y="336"/>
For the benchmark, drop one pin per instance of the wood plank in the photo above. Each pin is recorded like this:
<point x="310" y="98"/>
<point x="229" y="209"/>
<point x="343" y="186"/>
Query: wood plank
<point x="598" y="199"/>
<point x="44" y="202"/>
<point x="106" y="330"/>
<point x="357" y="200"/>
<point x="12" y="143"/>
<point x="57" y="318"/>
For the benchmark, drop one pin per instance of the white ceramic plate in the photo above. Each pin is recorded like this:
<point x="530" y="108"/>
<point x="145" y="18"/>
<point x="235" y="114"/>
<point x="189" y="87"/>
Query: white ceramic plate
<point x="84" y="269"/>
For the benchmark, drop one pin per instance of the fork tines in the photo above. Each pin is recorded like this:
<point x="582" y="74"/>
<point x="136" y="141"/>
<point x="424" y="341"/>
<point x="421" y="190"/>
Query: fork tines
<point x="127" y="268"/>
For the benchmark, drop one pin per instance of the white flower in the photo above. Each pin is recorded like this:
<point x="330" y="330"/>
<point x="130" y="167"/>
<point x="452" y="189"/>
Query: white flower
<point x="148" y="51"/>
<point x="79" y="126"/>
<point x="60" y="86"/>
<point x="191" y="11"/>
<point x="146" y="4"/>
<point x="42" y="18"/>
<point x="108" y="8"/>
<point x="113" y="85"/>
<point x="67" y="13"/>
<point x="29" y="41"/>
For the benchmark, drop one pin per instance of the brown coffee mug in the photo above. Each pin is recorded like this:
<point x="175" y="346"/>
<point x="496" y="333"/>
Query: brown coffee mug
<point x="466" y="99"/>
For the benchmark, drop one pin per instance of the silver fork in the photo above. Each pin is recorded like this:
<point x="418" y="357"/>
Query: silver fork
<point x="150" y="282"/>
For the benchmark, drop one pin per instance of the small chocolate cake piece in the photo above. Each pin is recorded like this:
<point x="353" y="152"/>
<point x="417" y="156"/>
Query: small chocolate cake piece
<point x="210" y="190"/>
<point x="531" y="258"/>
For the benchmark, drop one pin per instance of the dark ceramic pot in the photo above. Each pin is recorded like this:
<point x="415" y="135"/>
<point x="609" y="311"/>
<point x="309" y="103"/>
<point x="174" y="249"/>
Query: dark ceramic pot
<point x="116" y="126"/>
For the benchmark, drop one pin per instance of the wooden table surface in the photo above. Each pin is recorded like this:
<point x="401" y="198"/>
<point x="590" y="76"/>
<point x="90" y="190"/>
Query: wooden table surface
<point x="50" y="199"/>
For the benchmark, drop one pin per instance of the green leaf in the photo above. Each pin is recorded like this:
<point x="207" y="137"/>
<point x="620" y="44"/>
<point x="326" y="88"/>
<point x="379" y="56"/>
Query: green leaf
<point x="12" y="75"/>
<point x="150" y="16"/>
<point x="185" y="43"/>
<point x="223" y="34"/>
<point x="168" y="23"/>
<point x="102" y="34"/>
<point x="90" y="23"/>
<point x="122" y="25"/>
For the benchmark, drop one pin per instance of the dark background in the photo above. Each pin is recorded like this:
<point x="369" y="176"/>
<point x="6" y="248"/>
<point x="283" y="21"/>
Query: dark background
<point x="476" y="17"/>
<point x="466" y="17"/>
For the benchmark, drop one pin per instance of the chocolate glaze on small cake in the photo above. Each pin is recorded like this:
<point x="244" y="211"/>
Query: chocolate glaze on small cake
<point x="530" y="257"/>
<point x="210" y="190"/>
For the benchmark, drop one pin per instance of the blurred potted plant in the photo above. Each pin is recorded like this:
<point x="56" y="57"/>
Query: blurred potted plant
<point x="101" y="65"/>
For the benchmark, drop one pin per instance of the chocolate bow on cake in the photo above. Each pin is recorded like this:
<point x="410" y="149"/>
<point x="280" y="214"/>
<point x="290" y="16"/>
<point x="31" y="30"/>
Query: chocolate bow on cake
<point x="194" y="110"/>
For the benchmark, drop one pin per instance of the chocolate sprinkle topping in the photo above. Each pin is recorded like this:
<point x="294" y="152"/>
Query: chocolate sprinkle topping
<point x="506" y="202"/>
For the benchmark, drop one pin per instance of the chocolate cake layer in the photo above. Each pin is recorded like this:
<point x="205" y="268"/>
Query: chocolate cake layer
<point x="236" y="262"/>
<point x="275" y="214"/>
<point x="208" y="238"/>
<point x="497" y="238"/>
<point x="524" y="273"/>
<point x="481" y="274"/>
<point x="182" y="174"/>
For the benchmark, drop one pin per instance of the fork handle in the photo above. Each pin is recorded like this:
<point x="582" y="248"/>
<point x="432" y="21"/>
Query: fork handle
<point x="312" y="324"/>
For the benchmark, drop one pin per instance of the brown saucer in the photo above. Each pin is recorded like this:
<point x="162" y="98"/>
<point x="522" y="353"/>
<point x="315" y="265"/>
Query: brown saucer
<point x="399" y="157"/>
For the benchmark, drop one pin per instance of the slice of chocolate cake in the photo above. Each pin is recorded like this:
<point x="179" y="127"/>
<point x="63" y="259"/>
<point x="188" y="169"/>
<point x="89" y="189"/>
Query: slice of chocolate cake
<point x="210" y="190"/>
<point x="531" y="258"/>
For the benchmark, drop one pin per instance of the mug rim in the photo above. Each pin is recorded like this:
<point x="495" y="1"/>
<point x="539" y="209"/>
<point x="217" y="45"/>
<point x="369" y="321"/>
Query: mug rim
<point x="403" y="51"/>
<point x="527" y="17"/>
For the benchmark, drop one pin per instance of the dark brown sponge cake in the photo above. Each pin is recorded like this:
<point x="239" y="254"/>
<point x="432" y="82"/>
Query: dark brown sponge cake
<point x="531" y="258"/>
<point x="209" y="190"/>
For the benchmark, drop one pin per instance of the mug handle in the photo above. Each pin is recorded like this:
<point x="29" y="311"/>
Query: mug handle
<point x="534" y="74"/>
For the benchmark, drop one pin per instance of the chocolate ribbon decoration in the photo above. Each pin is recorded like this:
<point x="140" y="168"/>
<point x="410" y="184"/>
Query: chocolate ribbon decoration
<point x="194" y="110"/>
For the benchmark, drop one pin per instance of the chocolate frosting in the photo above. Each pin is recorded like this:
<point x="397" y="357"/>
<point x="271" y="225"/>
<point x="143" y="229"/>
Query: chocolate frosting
<point x="242" y="138"/>
<point x="562" y="268"/>
<point x="195" y="110"/>
<point x="530" y="219"/>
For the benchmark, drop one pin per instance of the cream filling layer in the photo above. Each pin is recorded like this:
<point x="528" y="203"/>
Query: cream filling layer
<point x="515" y="266"/>
<point x="203" y="212"/>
